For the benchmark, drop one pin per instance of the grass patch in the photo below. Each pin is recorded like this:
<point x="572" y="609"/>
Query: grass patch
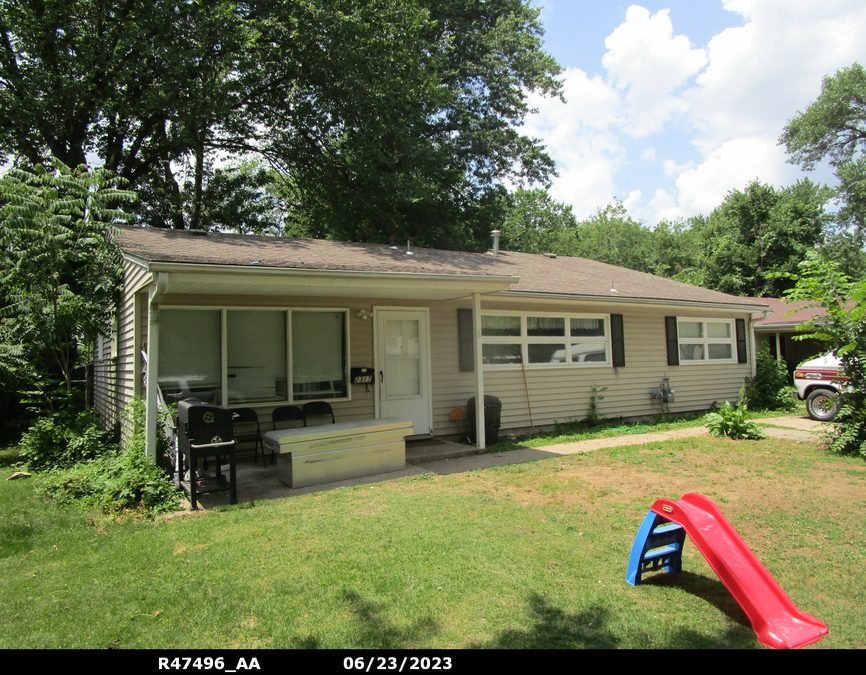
<point x="570" y="432"/>
<point x="518" y="556"/>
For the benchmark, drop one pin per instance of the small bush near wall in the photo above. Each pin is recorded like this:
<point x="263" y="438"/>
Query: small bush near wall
<point x="770" y="388"/>
<point x="732" y="422"/>
<point x="84" y="467"/>
<point x="60" y="440"/>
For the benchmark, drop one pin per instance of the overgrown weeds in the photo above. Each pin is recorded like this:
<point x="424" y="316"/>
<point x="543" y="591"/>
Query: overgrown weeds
<point x="83" y="463"/>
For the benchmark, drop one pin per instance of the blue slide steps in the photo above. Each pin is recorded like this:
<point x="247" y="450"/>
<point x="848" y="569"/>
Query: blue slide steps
<point x="657" y="546"/>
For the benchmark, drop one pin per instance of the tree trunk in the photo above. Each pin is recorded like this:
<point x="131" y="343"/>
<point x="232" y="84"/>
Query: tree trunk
<point x="195" y="218"/>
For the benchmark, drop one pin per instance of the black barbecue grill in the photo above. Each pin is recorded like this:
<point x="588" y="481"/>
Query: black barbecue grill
<point x="205" y="430"/>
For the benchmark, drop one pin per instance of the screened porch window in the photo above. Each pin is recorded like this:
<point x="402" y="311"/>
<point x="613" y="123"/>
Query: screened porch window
<point x="264" y="351"/>
<point x="189" y="355"/>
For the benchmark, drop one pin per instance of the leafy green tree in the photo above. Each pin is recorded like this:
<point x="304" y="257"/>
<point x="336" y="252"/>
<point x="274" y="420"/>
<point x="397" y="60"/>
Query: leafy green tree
<point x="834" y="126"/>
<point x="59" y="269"/>
<point x="843" y="330"/>
<point x="536" y="223"/>
<point x="759" y="233"/>
<point x="386" y="117"/>
<point x="613" y="236"/>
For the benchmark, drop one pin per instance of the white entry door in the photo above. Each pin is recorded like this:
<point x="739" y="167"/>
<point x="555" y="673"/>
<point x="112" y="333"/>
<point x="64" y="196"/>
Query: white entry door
<point x="403" y="358"/>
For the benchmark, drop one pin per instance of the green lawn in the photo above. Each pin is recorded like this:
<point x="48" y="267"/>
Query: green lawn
<point x="520" y="556"/>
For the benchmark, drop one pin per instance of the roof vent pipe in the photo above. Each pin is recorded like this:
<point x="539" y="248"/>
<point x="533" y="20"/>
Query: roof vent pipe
<point x="496" y="234"/>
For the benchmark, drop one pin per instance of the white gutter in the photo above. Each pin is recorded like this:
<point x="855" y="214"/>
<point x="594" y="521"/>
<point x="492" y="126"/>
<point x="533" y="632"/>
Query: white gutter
<point x="606" y="299"/>
<point x="771" y="327"/>
<point x="301" y="271"/>
<point x="157" y="292"/>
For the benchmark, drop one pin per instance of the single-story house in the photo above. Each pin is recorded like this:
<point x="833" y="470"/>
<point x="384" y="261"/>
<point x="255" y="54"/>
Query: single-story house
<point x="778" y="327"/>
<point x="252" y="321"/>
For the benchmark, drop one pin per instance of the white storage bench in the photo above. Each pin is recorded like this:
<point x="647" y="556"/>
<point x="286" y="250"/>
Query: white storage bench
<point x="323" y="454"/>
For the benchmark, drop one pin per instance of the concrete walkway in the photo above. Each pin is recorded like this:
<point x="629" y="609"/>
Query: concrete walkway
<point x="258" y="481"/>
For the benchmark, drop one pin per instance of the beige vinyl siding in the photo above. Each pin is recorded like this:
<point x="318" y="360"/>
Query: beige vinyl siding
<point x="560" y="394"/>
<point x="556" y="394"/>
<point x="115" y="370"/>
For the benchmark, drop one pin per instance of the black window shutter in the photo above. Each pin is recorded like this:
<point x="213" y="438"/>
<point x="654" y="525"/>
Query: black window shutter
<point x="617" y="340"/>
<point x="742" y="356"/>
<point x="466" y="340"/>
<point x="673" y="342"/>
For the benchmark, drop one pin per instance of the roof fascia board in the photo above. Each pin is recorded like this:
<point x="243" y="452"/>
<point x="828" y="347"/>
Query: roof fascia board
<point x="135" y="259"/>
<point x="601" y="299"/>
<point x="778" y="326"/>
<point x="282" y="271"/>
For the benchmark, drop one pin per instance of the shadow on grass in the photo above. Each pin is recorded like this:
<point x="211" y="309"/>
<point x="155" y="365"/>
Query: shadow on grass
<point x="15" y="538"/>
<point x="557" y="629"/>
<point x="375" y="630"/>
<point x="9" y="457"/>
<point x="592" y="629"/>
<point x="711" y="590"/>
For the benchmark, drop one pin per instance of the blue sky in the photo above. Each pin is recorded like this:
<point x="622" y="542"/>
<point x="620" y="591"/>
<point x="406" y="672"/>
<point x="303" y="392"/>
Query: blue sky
<point x="670" y="105"/>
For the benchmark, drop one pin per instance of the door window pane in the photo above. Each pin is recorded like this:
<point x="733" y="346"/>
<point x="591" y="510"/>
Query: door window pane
<point x="256" y="344"/>
<point x="403" y="357"/>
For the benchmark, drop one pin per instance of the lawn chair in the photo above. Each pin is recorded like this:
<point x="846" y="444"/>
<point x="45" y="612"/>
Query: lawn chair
<point x="288" y="413"/>
<point x="248" y="417"/>
<point x="319" y="409"/>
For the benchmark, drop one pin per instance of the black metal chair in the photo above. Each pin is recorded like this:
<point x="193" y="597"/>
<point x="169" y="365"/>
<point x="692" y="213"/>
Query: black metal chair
<point x="319" y="409"/>
<point x="248" y="417"/>
<point x="288" y="413"/>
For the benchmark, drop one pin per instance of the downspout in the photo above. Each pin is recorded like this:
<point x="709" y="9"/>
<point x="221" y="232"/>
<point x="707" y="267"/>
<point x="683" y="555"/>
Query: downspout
<point x="754" y="350"/>
<point x="157" y="293"/>
<point x="480" y="440"/>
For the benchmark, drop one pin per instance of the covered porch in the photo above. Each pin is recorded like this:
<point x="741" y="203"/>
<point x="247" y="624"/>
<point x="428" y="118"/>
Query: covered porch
<point x="398" y="315"/>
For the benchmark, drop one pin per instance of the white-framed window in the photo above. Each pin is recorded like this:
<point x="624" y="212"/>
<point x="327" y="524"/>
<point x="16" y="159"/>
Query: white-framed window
<point x="540" y="340"/>
<point x="706" y="340"/>
<point x="239" y="356"/>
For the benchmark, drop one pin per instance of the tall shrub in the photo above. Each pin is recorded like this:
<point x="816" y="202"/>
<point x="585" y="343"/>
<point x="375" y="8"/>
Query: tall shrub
<point x="770" y="388"/>
<point x="843" y="330"/>
<point x="60" y="267"/>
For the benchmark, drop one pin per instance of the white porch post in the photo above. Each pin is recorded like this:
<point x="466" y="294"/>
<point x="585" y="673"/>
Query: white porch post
<point x="481" y="441"/>
<point x="778" y="347"/>
<point x="151" y="414"/>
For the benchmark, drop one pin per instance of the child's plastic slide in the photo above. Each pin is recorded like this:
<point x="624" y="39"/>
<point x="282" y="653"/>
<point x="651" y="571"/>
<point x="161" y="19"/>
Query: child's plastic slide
<point x="775" y="618"/>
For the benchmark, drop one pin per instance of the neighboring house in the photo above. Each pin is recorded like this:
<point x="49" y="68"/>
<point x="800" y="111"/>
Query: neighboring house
<point x="261" y="321"/>
<point x="781" y="325"/>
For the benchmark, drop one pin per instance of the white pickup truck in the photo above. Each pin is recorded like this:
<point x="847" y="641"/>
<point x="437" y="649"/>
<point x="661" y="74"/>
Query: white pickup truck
<point x="819" y="382"/>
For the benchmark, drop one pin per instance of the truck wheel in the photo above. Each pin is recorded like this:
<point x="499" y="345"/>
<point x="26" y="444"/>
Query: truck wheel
<point x="822" y="404"/>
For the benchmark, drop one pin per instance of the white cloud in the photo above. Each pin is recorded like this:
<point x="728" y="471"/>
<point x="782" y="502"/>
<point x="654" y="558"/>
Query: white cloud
<point x="731" y="166"/>
<point x="579" y="137"/>
<point x="727" y="101"/>
<point x="632" y="200"/>
<point x="649" y="62"/>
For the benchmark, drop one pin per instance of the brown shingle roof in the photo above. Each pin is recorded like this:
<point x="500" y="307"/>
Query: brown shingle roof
<point x="538" y="274"/>
<point x="779" y="310"/>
